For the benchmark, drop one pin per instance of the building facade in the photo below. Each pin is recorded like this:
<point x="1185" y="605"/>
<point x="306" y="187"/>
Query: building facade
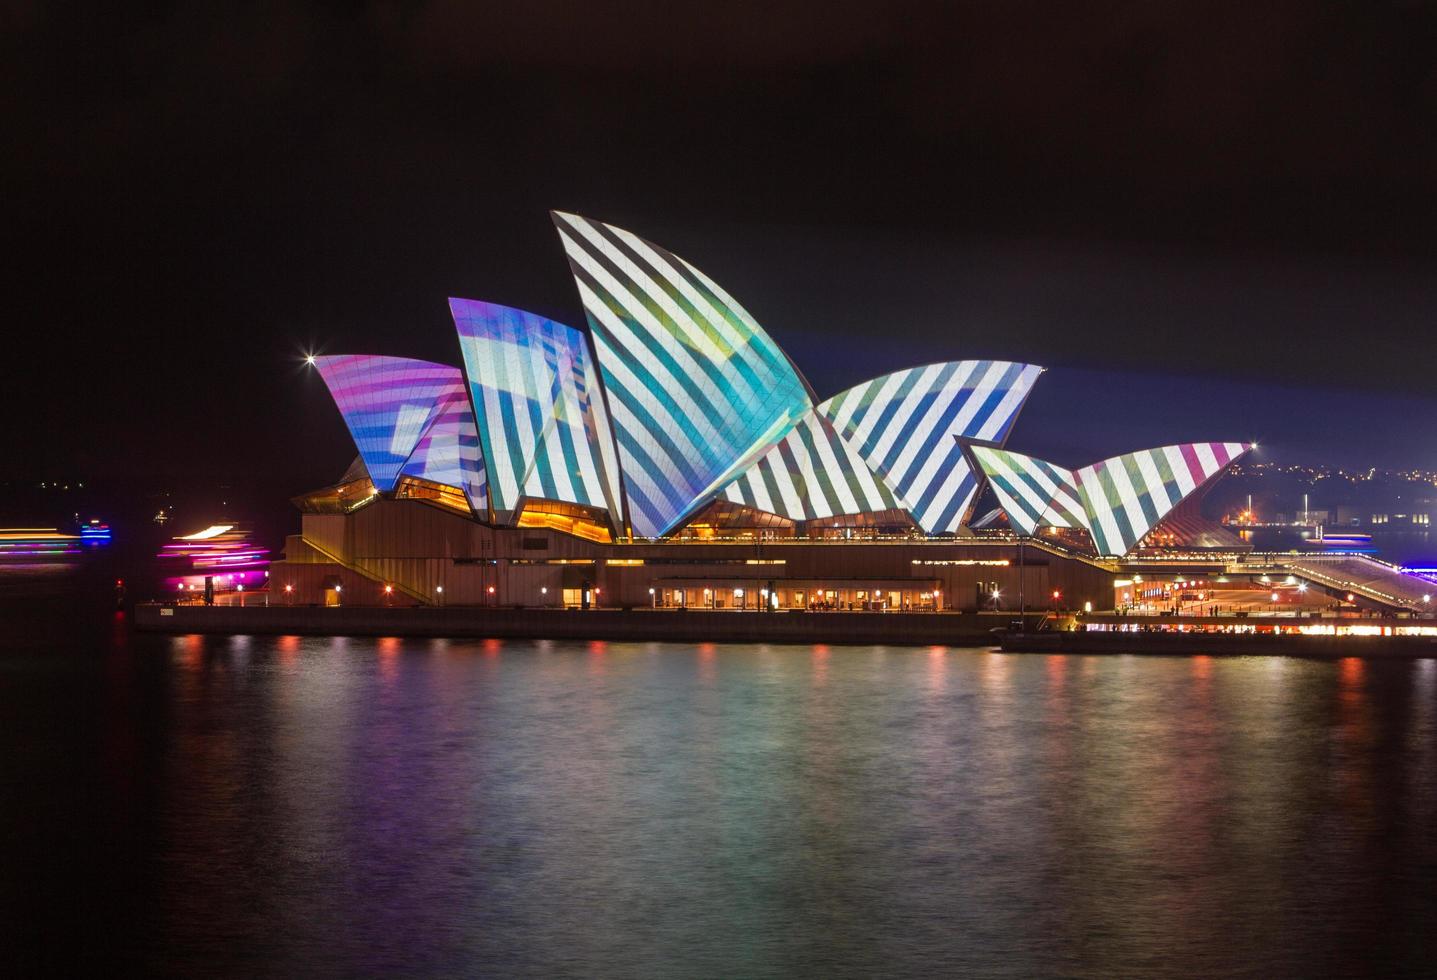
<point x="673" y="455"/>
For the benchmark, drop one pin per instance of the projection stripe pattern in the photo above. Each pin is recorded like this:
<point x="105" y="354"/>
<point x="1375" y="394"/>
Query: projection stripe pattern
<point x="810" y="474"/>
<point x="543" y="430"/>
<point x="448" y="452"/>
<point x="387" y="403"/>
<point x="696" y="387"/>
<point x="1031" y="491"/>
<point x="903" y="426"/>
<point x="1126" y="495"/>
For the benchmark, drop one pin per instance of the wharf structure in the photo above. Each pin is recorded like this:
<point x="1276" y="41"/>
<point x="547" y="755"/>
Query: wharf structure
<point x="673" y="457"/>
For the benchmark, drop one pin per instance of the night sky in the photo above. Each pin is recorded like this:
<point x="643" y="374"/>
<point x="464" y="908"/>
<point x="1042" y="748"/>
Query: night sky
<point x="1210" y="221"/>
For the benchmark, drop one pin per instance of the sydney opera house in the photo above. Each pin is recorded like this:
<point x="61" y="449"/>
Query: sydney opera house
<point x="671" y="454"/>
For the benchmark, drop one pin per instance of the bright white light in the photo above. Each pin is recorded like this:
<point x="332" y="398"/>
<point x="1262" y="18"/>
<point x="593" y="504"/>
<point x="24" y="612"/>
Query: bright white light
<point x="213" y="531"/>
<point x="1302" y="587"/>
<point x="1274" y="597"/>
<point x="1426" y="598"/>
<point x="309" y="360"/>
<point x="339" y="588"/>
<point x="439" y="588"/>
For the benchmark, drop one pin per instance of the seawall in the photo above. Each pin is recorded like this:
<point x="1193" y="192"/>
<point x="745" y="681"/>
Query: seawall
<point x="691" y="625"/>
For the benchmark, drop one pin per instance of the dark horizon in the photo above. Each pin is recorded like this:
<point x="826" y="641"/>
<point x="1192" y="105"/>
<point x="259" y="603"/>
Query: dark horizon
<point x="1216" y="227"/>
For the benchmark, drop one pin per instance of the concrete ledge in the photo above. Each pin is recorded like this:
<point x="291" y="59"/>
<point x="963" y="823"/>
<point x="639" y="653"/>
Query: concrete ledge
<point x="692" y="625"/>
<point x="1223" y="645"/>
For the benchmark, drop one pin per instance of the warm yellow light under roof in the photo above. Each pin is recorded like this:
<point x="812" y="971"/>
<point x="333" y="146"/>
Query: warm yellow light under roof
<point x="213" y="531"/>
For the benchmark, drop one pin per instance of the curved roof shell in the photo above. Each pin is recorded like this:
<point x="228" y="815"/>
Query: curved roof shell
<point x="906" y="426"/>
<point x="1125" y="496"/>
<point x="389" y="404"/>
<point x="696" y="388"/>
<point x="1032" y="492"/>
<point x="540" y="413"/>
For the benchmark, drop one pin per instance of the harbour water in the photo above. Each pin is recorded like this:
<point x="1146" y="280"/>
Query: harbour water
<point x="330" y="806"/>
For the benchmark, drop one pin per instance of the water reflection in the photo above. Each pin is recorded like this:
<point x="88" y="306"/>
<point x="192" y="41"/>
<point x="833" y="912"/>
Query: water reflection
<point x="289" y="805"/>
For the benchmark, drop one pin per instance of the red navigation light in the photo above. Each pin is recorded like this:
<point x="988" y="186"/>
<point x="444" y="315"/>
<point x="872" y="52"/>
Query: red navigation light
<point x="119" y="581"/>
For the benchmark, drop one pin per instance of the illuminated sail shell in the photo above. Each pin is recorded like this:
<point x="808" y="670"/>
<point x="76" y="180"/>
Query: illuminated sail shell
<point x="906" y="427"/>
<point x="696" y="388"/>
<point x="542" y="425"/>
<point x="389" y="404"/>
<point x="1125" y="496"/>
<point x="809" y="474"/>
<point x="1032" y="492"/>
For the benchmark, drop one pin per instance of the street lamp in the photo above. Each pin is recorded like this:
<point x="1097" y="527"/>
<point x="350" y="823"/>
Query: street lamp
<point x="742" y="602"/>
